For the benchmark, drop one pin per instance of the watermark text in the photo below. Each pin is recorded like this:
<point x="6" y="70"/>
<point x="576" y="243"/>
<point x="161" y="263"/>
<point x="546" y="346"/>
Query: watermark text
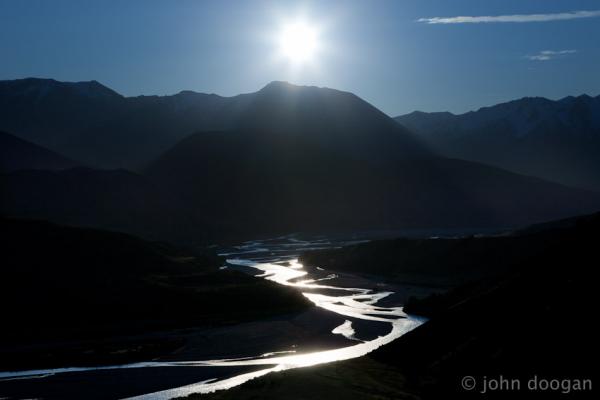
<point x="498" y="383"/>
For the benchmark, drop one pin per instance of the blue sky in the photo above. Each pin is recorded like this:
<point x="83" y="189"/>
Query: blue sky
<point x="377" y="49"/>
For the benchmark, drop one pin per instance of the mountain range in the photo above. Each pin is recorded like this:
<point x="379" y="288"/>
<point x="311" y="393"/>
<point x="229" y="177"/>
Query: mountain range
<point x="555" y="140"/>
<point x="308" y="158"/>
<point x="285" y="158"/>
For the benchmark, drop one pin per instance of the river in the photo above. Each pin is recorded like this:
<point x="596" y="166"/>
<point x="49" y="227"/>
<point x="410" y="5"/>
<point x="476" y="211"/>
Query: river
<point x="276" y="260"/>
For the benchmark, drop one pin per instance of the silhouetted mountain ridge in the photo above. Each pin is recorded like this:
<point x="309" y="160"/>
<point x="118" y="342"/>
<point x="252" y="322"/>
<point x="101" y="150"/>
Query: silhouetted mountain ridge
<point x="92" y="123"/>
<point x="40" y="88"/>
<point x="256" y="181"/>
<point x="17" y="154"/>
<point x="110" y="199"/>
<point x="285" y="158"/>
<point x="556" y="140"/>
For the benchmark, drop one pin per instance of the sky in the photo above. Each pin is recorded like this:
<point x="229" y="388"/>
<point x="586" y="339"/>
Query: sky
<point x="399" y="55"/>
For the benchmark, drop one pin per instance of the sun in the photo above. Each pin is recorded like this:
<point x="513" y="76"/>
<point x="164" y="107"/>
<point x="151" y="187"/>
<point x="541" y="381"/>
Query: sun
<point x="299" y="42"/>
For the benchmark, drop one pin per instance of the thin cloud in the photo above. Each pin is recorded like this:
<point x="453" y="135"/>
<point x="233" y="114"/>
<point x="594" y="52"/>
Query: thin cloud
<point x="512" y="18"/>
<point x="547" y="55"/>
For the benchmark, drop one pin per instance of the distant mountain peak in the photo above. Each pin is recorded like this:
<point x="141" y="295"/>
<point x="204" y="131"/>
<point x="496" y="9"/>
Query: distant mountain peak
<point x="554" y="139"/>
<point x="424" y="113"/>
<point x="187" y="93"/>
<point x="583" y="100"/>
<point x="40" y="87"/>
<point x="279" y="85"/>
<point x="287" y="86"/>
<point x="94" y="89"/>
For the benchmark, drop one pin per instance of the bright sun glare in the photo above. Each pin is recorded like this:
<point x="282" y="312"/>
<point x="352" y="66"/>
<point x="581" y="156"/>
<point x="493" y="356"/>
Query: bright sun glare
<point x="299" y="43"/>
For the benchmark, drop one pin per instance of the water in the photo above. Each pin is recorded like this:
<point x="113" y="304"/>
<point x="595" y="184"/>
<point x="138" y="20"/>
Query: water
<point x="276" y="260"/>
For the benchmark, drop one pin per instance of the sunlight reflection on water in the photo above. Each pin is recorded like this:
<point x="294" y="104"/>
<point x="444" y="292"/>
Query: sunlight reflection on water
<point x="346" y="305"/>
<point x="354" y="303"/>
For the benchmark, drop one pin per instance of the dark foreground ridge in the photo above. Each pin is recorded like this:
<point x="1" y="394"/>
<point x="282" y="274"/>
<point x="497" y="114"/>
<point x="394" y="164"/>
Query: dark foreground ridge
<point x="17" y="154"/>
<point x="76" y="295"/>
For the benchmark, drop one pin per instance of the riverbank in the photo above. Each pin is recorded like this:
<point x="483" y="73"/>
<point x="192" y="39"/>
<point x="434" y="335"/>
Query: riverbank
<point x="532" y="321"/>
<point x="78" y="296"/>
<point x="354" y="315"/>
<point x="359" y="379"/>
